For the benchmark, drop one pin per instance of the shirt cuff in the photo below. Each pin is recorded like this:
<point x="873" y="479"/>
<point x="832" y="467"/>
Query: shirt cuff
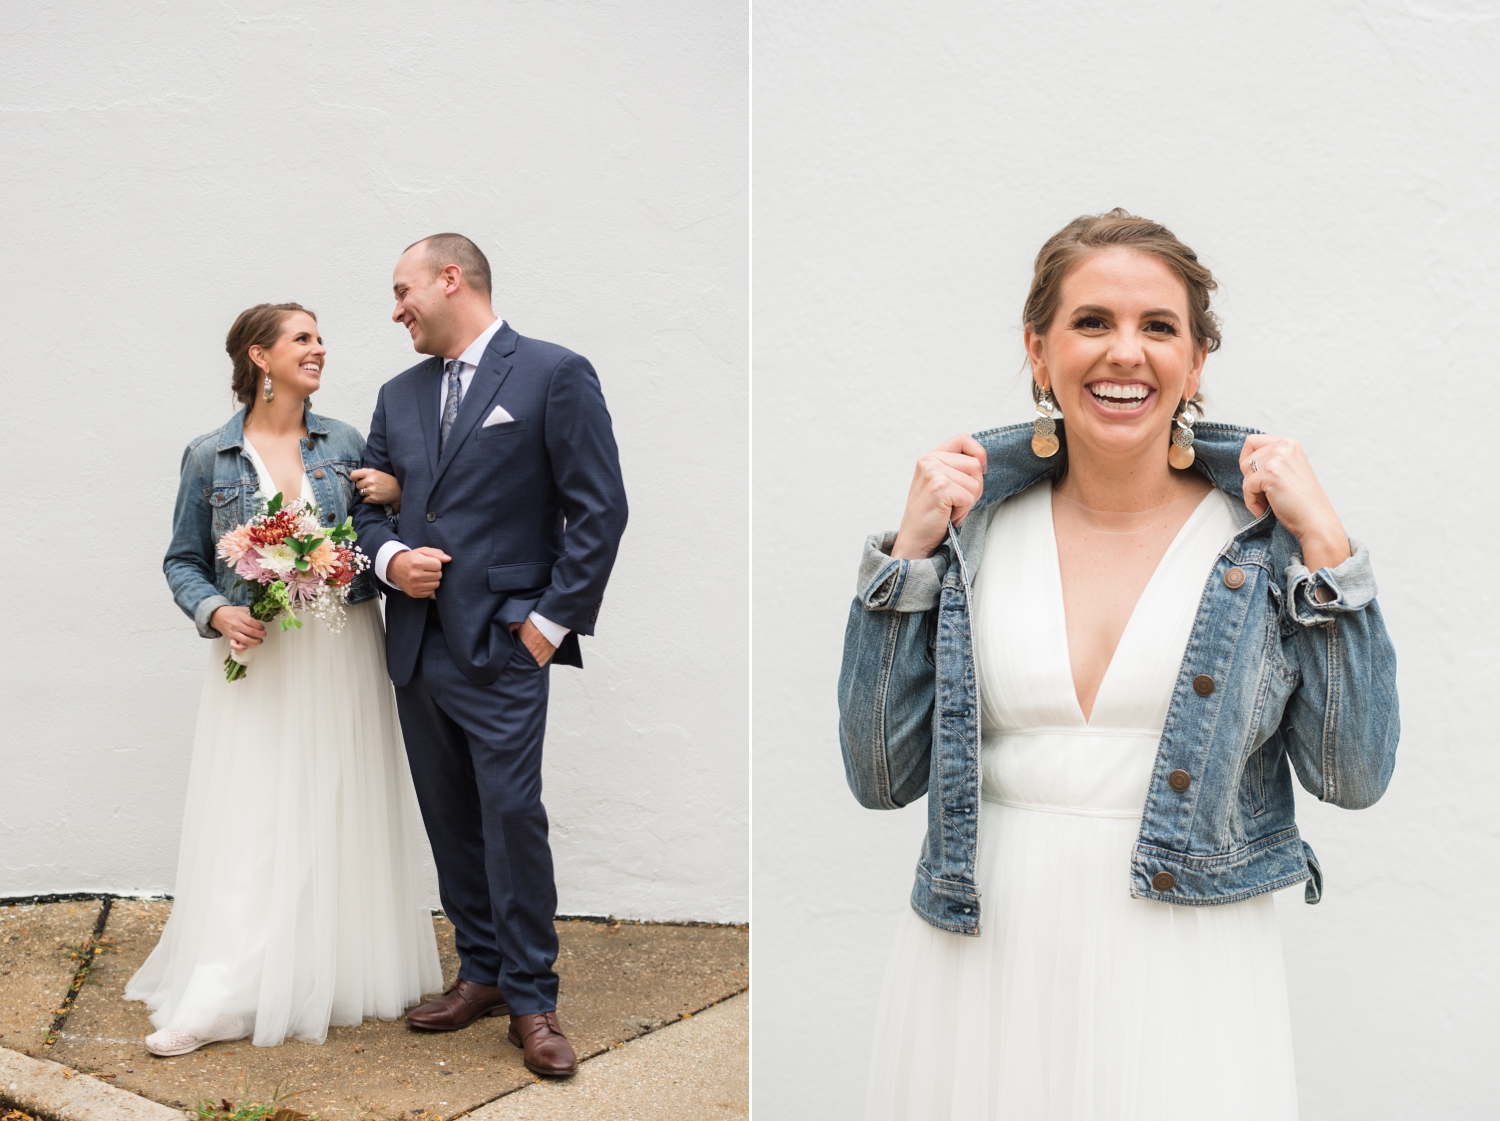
<point x="550" y="630"/>
<point x="383" y="559"/>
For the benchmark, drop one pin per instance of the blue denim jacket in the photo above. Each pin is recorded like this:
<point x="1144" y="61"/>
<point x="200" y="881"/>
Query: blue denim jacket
<point x="1285" y="668"/>
<point x="219" y="490"/>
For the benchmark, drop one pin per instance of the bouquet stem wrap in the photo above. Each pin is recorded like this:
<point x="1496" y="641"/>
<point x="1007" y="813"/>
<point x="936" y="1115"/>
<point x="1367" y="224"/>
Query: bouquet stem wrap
<point x="237" y="663"/>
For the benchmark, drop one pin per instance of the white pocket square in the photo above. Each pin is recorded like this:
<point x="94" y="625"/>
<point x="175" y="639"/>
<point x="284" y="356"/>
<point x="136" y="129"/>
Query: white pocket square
<point x="497" y="416"/>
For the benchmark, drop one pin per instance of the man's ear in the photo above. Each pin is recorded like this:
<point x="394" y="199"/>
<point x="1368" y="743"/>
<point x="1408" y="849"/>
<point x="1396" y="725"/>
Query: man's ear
<point x="453" y="277"/>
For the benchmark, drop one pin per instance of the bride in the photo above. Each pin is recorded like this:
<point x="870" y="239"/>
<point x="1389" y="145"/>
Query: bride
<point x="1101" y="644"/>
<point x="298" y="898"/>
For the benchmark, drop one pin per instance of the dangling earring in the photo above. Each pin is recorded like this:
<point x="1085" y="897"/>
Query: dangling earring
<point x="1044" y="442"/>
<point x="1180" y="454"/>
<point x="268" y="393"/>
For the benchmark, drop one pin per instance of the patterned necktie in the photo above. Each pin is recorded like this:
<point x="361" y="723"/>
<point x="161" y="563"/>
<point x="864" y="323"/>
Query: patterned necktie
<point x="454" y="399"/>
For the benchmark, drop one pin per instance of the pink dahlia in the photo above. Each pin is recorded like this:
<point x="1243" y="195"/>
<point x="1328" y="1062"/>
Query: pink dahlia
<point x="235" y="544"/>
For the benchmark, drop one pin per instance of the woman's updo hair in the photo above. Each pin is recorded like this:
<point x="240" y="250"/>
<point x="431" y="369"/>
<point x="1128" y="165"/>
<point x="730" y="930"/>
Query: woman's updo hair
<point x="1065" y="250"/>
<point x="257" y="326"/>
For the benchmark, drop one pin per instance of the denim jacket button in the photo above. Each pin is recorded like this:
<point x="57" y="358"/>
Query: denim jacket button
<point x="1164" y="881"/>
<point x="318" y="474"/>
<point x="1203" y="685"/>
<point x="1234" y="578"/>
<point x="1179" y="781"/>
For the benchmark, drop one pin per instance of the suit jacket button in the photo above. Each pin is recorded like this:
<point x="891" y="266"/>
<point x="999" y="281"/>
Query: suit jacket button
<point x="1234" y="578"/>
<point x="1164" y="881"/>
<point x="1203" y="685"/>
<point x="1179" y="781"/>
<point x="318" y="474"/>
<point x="431" y="517"/>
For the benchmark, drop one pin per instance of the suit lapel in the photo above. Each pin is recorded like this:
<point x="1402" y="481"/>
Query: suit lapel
<point x="494" y="367"/>
<point x="429" y="386"/>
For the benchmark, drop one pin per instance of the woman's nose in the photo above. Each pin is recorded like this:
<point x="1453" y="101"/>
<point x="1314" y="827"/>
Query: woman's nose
<point x="1125" y="350"/>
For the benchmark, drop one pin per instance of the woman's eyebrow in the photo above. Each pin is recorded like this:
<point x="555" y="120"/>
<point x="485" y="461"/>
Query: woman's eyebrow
<point x="1096" y="309"/>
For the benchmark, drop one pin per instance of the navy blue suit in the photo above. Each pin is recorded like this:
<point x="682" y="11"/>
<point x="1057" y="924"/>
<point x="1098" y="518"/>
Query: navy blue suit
<point x="531" y="511"/>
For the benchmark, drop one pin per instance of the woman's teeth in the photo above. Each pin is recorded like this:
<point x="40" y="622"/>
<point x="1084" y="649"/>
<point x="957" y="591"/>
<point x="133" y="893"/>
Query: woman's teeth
<point x="1120" y="396"/>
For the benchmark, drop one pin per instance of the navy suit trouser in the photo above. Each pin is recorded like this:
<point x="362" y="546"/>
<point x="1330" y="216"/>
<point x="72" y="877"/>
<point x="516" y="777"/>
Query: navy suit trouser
<point x="476" y="761"/>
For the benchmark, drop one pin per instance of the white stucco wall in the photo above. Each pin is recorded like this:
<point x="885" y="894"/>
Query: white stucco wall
<point x="1335" y="164"/>
<point x="167" y="165"/>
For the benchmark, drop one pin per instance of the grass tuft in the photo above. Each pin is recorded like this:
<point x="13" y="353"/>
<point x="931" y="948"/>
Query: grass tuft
<point x="248" y="1109"/>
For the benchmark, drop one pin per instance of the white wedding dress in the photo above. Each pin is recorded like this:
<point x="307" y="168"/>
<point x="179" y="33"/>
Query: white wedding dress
<point x="1077" y="1002"/>
<point x="299" y="900"/>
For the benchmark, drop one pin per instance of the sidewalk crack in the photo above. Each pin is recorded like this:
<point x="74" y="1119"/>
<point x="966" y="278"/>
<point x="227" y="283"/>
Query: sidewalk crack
<point x="86" y="955"/>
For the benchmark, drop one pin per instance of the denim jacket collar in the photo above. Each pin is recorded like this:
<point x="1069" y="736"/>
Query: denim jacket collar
<point x="1013" y="467"/>
<point x="1285" y="669"/>
<point x="232" y="435"/>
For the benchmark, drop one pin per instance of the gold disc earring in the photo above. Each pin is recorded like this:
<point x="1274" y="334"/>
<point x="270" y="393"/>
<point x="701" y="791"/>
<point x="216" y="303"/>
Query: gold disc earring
<point x="268" y="393"/>
<point x="1180" y="454"/>
<point x="1044" y="443"/>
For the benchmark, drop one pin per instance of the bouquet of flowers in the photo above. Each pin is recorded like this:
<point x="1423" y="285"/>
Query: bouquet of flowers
<point x="293" y="561"/>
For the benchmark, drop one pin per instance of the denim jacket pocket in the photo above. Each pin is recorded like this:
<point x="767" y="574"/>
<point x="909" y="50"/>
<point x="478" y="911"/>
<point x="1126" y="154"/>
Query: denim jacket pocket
<point x="224" y="502"/>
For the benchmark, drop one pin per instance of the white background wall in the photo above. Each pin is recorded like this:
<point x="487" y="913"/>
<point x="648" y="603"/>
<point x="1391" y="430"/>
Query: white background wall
<point x="169" y="164"/>
<point x="1338" y="166"/>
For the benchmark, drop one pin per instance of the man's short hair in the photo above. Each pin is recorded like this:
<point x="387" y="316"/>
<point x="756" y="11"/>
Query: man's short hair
<point x="455" y="249"/>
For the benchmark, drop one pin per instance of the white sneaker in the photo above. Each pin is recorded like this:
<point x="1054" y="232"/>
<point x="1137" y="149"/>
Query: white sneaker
<point x="167" y="1043"/>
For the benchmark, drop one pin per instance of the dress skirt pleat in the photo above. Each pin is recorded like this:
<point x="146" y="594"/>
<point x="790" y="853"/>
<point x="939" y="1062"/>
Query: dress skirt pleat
<point x="299" y="900"/>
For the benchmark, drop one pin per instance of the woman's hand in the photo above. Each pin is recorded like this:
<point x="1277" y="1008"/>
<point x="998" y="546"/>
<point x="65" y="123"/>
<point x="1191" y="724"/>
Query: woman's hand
<point x="948" y="481"/>
<point x="1278" y="475"/>
<point x="239" y="626"/>
<point x="377" y="487"/>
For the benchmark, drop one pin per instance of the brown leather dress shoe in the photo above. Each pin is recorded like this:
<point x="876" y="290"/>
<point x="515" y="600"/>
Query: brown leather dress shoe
<point x="546" y="1051"/>
<point x="459" y="1007"/>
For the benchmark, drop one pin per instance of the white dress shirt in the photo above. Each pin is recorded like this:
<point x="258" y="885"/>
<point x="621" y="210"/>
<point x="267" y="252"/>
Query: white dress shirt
<point x="469" y="362"/>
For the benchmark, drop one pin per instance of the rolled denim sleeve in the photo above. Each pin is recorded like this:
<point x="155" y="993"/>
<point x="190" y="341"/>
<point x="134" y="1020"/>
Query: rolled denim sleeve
<point x="1318" y="597"/>
<point x="887" y="679"/>
<point x="189" y="563"/>
<point x="1343" y="716"/>
<point x="889" y="584"/>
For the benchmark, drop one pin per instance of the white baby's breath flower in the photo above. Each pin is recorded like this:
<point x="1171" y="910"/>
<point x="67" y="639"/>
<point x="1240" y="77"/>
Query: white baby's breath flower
<point x="328" y="605"/>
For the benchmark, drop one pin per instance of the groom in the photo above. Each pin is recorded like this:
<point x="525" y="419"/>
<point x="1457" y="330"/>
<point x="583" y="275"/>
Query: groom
<point x="512" y="507"/>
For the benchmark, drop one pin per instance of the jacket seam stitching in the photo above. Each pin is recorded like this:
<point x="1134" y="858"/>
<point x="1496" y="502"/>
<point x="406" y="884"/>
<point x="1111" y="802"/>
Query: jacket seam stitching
<point x="1275" y="839"/>
<point x="1331" y="714"/>
<point x="882" y="688"/>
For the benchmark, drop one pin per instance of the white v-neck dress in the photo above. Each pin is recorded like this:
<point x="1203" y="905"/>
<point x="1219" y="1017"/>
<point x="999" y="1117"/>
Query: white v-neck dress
<point x="1077" y="1001"/>
<point x="299" y="900"/>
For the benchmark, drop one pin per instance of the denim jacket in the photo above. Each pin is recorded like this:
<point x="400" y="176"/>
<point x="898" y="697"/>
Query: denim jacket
<point x="219" y="490"/>
<point x="1285" y="668"/>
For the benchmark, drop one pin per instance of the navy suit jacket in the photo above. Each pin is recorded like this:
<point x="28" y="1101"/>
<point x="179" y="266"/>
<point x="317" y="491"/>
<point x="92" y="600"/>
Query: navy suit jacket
<point x="530" y="510"/>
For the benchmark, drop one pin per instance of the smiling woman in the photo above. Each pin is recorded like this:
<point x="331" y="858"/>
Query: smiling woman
<point x="1100" y="644"/>
<point x="262" y="940"/>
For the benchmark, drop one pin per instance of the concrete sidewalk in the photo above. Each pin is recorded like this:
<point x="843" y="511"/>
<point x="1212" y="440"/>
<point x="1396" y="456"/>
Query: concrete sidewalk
<point x="697" y="1068"/>
<point x="620" y="983"/>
